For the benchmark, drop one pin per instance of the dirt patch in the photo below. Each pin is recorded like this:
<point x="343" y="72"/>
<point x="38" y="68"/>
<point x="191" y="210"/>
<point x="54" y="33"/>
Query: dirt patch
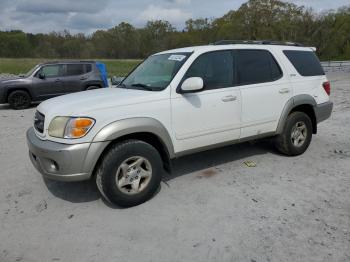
<point x="207" y="173"/>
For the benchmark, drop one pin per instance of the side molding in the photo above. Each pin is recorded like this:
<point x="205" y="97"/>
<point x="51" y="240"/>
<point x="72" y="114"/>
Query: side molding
<point x="136" y="125"/>
<point x="292" y="103"/>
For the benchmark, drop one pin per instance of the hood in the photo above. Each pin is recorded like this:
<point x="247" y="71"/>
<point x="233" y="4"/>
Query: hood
<point x="87" y="102"/>
<point x="8" y="80"/>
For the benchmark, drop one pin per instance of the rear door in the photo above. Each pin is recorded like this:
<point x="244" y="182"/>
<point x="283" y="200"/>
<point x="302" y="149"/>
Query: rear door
<point x="75" y="76"/>
<point x="51" y="85"/>
<point x="264" y="88"/>
<point x="211" y="116"/>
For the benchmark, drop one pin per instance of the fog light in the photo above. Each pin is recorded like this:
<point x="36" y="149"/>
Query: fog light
<point x="53" y="166"/>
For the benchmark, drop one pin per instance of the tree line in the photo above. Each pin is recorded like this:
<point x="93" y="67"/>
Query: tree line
<point x="254" y="20"/>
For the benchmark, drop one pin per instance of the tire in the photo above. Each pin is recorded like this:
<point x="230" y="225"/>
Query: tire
<point x="19" y="100"/>
<point x="92" y="87"/>
<point x="129" y="173"/>
<point x="296" y="136"/>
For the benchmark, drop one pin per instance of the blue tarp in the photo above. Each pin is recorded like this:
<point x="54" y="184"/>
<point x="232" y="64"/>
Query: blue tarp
<point x="102" y="68"/>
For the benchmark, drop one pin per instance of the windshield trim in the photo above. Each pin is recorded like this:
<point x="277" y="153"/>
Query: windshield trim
<point x="188" y="55"/>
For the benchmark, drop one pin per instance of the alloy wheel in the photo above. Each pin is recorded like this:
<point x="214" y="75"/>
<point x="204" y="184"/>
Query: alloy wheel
<point x="134" y="175"/>
<point x="299" y="134"/>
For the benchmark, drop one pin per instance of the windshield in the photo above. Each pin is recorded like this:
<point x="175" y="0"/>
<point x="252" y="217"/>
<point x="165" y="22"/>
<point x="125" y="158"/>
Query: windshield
<point x="156" y="72"/>
<point x="31" y="71"/>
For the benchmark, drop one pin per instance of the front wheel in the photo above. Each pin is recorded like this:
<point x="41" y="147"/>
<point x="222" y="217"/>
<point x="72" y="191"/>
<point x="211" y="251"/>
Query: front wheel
<point x="19" y="100"/>
<point x="296" y="135"/>
<point x="129" y="173"/>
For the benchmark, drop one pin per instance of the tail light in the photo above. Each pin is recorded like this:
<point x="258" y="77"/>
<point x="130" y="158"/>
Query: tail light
<point x="327" y="87"/>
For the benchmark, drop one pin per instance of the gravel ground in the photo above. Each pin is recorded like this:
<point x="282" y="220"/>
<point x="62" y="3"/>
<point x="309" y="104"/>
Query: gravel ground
<point x="212" y="208"/>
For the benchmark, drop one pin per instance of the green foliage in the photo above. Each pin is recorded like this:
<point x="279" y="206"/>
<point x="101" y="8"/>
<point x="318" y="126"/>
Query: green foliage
<point x="255" y="19"/>
<point x="115" y="67"/>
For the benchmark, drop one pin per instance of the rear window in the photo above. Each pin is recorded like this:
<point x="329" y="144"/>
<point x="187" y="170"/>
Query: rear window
<point x="256" y="66"/>
<point x="305" y="62"/>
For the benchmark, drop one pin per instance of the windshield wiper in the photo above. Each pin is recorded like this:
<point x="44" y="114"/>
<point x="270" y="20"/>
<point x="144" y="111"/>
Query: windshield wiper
<point x="145" y="87"/>
<point x="121" y="85"/>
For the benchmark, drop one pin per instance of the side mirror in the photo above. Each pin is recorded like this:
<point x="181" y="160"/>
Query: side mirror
<point x="192" y="84"/>
<point x="116" y="80"/>
<point x="41" y="75"/>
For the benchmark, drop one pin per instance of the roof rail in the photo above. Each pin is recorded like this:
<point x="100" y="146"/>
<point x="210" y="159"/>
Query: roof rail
<point x="68" y="61"/>
<point x="255" y="42"/>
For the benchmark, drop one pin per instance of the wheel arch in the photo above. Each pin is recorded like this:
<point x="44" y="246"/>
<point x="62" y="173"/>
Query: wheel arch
<point x="93" y="83"/>
<point x="302" y="103"/>
<point x="13" y="89"/>
<point x="148" y="130"/>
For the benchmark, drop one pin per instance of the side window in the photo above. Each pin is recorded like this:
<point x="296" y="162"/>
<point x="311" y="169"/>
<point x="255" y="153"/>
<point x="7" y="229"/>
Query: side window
<point x="51" y="71"/>
<point x="88" y="68"/>
<point x="256" y="66"/>
<point x="215" y="68"/>
<point x="74" y="69"/>
<point x="305" y="62"/>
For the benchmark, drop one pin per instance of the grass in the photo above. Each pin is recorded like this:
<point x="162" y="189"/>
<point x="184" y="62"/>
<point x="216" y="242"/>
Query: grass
<point x="115" y="67"/>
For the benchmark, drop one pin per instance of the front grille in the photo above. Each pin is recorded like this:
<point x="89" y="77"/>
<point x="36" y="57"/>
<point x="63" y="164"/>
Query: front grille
<point x="39" y="120"/>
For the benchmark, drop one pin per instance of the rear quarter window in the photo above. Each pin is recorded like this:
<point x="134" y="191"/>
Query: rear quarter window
<point x="305" y="62"/>
<point x="88" y="68"/>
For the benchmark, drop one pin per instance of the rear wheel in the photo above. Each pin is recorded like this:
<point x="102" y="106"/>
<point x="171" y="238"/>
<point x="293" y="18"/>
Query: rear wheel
<point x="92" y="87"/>
<point x="130" y="173"/>
<point x="296" y="136"/>
<point x="19" y="99"/>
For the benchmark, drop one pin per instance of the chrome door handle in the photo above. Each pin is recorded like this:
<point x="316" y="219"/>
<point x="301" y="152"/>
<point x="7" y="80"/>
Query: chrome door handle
<point x="229" y="98"/>
<point x="284" y="91"/>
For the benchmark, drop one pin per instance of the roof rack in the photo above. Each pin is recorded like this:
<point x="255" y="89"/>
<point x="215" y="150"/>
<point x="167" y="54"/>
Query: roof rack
<point x="255" y="42"/>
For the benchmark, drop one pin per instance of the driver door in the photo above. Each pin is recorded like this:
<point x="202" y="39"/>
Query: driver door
<point x="50" y="85"/>
<point x="213" y="115"/>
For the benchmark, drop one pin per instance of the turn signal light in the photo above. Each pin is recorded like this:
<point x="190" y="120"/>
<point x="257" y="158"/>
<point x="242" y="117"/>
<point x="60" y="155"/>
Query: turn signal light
<point x="78" y="127"/>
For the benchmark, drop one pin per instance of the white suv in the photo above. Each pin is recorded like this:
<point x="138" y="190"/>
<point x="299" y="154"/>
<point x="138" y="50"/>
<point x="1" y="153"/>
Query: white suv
<point x="175" y="103"/>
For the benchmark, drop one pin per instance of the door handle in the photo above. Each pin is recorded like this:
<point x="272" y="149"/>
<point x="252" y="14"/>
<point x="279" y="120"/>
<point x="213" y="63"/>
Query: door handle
<point x="284" y="91"/>
<point x="83" y="78"/>
<point x="58" y="80"/>
<point x="229" y="98"/>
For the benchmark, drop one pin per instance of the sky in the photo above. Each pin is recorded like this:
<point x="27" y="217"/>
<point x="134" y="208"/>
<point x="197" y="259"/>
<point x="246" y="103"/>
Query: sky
<point x="87" y="16"/>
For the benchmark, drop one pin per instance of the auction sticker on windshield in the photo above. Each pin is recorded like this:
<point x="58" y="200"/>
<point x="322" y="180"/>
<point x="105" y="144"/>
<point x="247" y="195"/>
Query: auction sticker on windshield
<point x="177" y="57"/>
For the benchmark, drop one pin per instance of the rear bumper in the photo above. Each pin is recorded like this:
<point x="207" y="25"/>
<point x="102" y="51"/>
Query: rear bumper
<point x="63" y="162"/>
<point x="323" y="111"/>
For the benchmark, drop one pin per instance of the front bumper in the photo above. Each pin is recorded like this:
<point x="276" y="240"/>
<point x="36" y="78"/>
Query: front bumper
<point x="2" y="95"/>
<point x="323" y="111"/>
<point x="63" y="162"/>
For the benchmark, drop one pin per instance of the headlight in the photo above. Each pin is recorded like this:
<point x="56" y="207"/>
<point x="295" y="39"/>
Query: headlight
<point x="70" y="127"/>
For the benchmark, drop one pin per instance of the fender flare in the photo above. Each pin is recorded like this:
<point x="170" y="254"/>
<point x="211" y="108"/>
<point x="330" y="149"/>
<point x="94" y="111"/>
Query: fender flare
<point x="93" y="83"/>
<point x="293" y="102"/>
<point x="10" y="89"/>
<point x="129" y="126"/>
